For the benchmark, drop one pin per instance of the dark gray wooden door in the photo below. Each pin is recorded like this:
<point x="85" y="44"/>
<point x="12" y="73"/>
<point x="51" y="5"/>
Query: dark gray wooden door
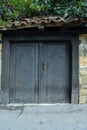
<point x="24" y="76"/>
<point x="40" y="73"/>
<point x="55" y="80"/>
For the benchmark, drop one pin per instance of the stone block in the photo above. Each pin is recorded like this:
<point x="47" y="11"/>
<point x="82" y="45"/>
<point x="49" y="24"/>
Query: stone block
<point x="83" y="76"/>
<point x="80" y="80"/>
<point x="83" y="72"/>
<point x="83" y="86"/>
<point x="85" y="49"/>
<point x="83" y="92"/>
<point x="83" y="80"/>
<point x="0" y="47"/>
<point x="83" y="62"/>
<point x="83" y="36"/>
<point x="83" y="99"/>
<point x="81" y="50"/>
<point x="83" y="45"/>
<point x="0" y="66"/>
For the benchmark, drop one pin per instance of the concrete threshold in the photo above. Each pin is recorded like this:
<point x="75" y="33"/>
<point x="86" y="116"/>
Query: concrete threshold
<point x="43" y="117"/>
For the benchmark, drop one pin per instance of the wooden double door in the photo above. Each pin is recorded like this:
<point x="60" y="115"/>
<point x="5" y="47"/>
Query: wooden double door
<point x="40" y="72"/>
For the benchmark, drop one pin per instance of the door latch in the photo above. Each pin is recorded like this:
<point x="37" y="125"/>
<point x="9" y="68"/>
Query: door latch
<point x="43" y="66"/>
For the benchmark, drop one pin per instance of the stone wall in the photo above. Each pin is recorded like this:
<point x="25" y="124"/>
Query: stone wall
<point x="0" y="68"/>
<point x="83" y="69"/>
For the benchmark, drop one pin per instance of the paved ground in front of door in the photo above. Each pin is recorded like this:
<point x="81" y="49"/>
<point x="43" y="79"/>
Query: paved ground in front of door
<point x="43" y="117"/>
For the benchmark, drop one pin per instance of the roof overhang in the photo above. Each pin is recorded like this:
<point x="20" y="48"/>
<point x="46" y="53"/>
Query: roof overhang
<point x="43" y="22"/>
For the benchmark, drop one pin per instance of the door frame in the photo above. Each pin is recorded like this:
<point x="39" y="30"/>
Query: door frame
<point x="20" y="36"/>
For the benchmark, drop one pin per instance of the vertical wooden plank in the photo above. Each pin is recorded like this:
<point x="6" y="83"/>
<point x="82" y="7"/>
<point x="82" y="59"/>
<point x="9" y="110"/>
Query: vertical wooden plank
<point x="12" y="74"/>
<point x="42" y="74"/>
<point x="75" y="70"/>
<point x="36" y="54"/>
<point x="5" y="71"/>
<point x="57" y="73"/>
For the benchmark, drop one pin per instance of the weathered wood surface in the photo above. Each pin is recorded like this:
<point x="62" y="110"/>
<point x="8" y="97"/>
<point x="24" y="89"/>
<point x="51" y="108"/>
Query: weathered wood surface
<point x="37" y="60"/>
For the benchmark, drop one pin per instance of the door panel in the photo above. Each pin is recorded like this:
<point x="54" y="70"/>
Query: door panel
<point x="25" y="70"/>
<point x="40" y="73"/>
<point x="57" y="73"/>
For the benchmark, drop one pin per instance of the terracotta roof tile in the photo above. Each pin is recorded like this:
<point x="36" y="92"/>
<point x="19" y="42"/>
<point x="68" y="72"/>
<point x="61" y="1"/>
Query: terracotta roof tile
<point x="44" y="21"/>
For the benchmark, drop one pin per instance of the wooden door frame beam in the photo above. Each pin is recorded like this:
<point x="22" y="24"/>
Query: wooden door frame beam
<point x="26" y="36"/>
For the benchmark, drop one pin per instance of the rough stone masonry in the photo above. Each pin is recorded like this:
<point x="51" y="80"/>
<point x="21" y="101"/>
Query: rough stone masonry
<point x="83" y="69"/>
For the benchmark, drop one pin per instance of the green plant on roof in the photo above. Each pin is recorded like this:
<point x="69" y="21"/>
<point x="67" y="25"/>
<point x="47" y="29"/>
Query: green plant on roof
<point x="11" y="10"/>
